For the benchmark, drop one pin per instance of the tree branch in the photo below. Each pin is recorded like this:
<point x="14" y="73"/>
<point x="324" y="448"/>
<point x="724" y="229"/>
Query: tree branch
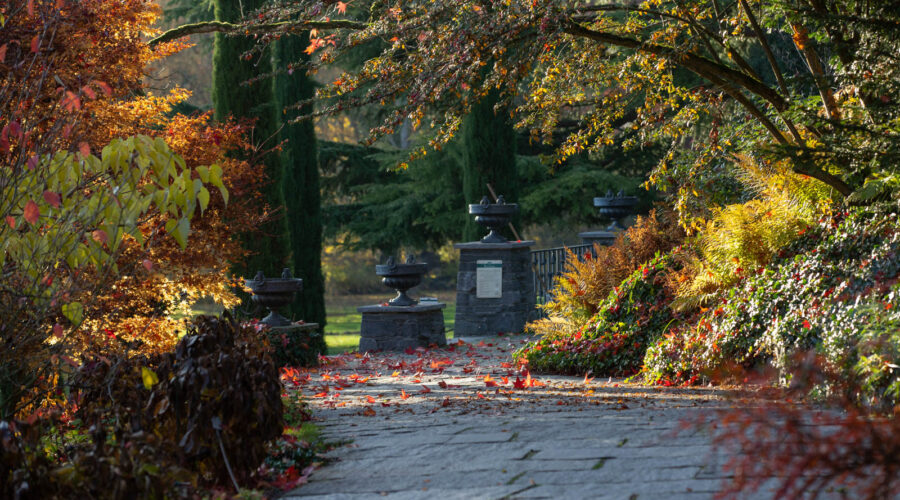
<point x="702" y="66"/>
<point x="802" y="42"/>
<point x="766" y="48"/>
<point x="225" y="27"/>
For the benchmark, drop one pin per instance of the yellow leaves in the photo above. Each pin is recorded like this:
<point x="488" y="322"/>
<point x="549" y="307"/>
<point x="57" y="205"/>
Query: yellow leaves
<point x="149" y="377"/>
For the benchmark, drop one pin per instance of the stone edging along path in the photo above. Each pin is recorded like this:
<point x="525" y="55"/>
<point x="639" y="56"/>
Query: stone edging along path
<point x="462" y="422"/>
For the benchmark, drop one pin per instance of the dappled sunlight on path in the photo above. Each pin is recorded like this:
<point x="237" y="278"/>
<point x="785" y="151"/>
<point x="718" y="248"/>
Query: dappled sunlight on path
<point x="464" y="422"/>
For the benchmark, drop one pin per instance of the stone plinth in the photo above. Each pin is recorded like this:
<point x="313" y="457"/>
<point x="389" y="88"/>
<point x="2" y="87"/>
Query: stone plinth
<point x="395" y="328"/>
<point x="488" y="314"/>
<point x="297" y="344"/>
<point x="604" y="238"/>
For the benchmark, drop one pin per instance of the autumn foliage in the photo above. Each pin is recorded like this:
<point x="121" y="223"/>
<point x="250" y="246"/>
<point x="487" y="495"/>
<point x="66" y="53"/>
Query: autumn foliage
<point x="73" y="81"/>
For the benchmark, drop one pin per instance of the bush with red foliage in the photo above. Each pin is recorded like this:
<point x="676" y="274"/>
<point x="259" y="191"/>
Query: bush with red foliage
<point x="807" y="450"/>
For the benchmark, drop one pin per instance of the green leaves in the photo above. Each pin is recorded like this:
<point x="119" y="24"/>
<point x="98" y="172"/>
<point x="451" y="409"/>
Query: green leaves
<point x="74" y="312"/>
<point x="78" y="208"/>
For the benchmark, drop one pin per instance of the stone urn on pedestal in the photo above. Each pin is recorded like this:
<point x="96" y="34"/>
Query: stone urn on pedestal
<point x="274" y="293"/>
<point x="612" y="208"/>
<point x="401" y="323"/>
<point x="401" y="277"/>
<point x="495" y="283"/>
<point x="493" y="216"/>
<point x="295" y="343"/>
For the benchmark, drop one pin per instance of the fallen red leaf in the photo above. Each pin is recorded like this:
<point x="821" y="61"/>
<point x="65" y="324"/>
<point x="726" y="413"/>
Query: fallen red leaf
<point x="425" y="389"/>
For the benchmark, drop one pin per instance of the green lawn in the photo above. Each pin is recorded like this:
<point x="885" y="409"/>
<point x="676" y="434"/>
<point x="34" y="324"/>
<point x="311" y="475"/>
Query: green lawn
<point x="342" y="328"/>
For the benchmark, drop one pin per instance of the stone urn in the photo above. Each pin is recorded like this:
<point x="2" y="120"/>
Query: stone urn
<point x="615" y="208"/>
<point x="273" y="293"/>
<point x="493" y="216"/>
<point x="401" y="277"/>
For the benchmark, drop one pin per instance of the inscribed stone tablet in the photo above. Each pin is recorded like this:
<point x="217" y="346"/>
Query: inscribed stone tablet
<point x="489" y="279"/>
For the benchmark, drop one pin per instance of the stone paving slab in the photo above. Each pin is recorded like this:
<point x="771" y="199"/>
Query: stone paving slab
<point x="428" y="424"/>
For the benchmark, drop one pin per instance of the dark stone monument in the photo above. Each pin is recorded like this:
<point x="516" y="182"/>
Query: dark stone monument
<point x="613" y="208"/>
<point x="494" y="287"/>
<point x="401" y="322"/>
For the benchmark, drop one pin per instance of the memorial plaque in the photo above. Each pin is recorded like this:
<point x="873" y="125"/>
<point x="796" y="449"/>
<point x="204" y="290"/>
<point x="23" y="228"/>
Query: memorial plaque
<point x="489" y="279"/>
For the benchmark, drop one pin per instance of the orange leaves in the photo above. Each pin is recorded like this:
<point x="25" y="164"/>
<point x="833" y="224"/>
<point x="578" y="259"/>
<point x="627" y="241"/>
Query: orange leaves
<point x="370" y="400"/>
<point x="403" y="394"/>
<point x="31" y="212"/>
<point x="528" y="383"/>
<point x="342" y="7"/>
<point x="489" y="382"/>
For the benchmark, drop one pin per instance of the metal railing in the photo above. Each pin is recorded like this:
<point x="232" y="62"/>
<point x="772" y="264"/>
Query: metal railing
<point x="550" y="263"/>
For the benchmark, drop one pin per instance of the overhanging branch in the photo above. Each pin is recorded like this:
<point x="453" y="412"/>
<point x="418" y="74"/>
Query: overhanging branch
<point x="225" y="27"/>
<point x="704" y="67"/>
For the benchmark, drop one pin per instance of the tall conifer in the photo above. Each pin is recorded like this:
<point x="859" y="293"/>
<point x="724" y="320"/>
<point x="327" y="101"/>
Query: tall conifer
<point x="232" y="97"/>
<point x="489" y="156"/>
<point x="301" y="178"/>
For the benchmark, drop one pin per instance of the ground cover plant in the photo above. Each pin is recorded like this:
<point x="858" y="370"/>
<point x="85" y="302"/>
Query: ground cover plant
<point x="612" y="341"/>
<point x="833" y="291"/>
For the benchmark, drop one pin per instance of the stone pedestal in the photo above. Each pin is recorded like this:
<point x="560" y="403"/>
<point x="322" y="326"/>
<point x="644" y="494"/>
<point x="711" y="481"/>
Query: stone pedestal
<point x="486" y="313"/>
<point x="395" y="328"/>
<point x="297" y="344"/>
<point x="604" y="238"/>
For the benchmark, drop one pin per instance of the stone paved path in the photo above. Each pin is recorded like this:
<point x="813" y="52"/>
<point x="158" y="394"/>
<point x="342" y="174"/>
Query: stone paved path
<point x="431" y="424"/>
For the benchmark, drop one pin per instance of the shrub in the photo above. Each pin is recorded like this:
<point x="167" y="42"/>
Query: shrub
<point x="807" y="453"/>
<point x="613" y="341"/>
<point x="747" y="235"/>
<point x="218" y="396"/>
<point x="131" y="465"/>
<point x="831" y="291"/>
<point x="586" y="284"/>
<point x="298" y="348"/>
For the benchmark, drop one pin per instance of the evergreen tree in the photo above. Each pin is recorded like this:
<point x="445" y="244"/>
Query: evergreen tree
<point x="301" y="180"/>
<point x="232" y="97"/>
<point x="489" y="157"/>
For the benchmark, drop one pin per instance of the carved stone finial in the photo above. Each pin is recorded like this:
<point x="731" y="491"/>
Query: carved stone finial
<point x="609" y="193"/>
<point x="621" y="194"/>
<point x="286" y="274"/>
<point x="410" y="259"/>
<point x="260" y="276"/>
<point x="501" y="200"/>
<point x="391" y="262"/>
<point x="485" y="201"/>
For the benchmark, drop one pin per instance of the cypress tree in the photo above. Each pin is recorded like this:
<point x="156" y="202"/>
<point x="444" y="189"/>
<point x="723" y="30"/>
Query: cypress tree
<point x="488" y="156"/>
<point x="301" y="179"/>
<point x="231" y="97"/>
